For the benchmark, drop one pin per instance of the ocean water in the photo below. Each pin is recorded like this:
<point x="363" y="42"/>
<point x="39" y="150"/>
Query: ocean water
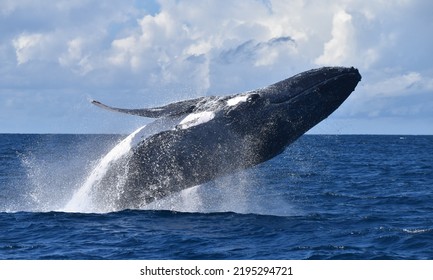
<point x="325" y="197"/>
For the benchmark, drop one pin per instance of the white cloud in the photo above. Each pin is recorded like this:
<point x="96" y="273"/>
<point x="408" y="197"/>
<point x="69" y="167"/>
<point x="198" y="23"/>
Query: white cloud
<point x="123" y="52"/>
<point x="397" y="85"/>
<point x="342" y="45"/>
<point x="392" y="94"/>
<point x="190" y="48"/>
<point x="27" y="47"/>
<point x="75" y="59"/>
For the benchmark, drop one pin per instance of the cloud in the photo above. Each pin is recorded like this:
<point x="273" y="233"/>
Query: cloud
<point x="151" y="52"/>
<point x="27" y="47"/>
<point x="263" y="53"/>
<point x="393" y="95"/>
<point x="264" y="32"/>
<point x="75" y="58"/>
<point x="342" y="44"/>
<point x="398" y="85"/>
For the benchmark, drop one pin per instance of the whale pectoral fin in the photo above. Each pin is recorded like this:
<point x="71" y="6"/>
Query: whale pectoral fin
<point x="172" y="109"/>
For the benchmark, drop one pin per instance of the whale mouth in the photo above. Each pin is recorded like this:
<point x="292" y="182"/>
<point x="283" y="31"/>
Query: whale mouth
<point x="316" y="81"/>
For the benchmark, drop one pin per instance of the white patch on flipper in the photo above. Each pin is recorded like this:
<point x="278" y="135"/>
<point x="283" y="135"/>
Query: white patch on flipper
<point x="196" y="119"/>
<point x="236" y="100"/>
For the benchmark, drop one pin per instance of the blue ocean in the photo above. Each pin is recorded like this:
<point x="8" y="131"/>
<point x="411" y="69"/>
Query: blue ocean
<point x="325" y="197"/>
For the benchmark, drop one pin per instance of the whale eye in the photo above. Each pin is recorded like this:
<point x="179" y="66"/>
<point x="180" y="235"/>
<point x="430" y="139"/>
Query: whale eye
<point x="253" y="97"/>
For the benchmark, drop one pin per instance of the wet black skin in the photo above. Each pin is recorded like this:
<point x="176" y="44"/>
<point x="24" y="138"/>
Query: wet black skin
<point x="238" y="137"/>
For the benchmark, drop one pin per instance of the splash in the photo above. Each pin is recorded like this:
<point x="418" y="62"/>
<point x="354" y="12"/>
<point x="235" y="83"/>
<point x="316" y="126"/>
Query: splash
<point x="103" y="186"/>
<point x="241" y="192"/>
<point x="52" y="166"/>
<point x="83" y="200"/>
<point x="65" y="174"/>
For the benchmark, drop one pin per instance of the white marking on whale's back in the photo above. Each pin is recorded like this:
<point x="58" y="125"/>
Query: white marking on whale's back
<point x="196" y="119"/>
<point x="236" y="100"/>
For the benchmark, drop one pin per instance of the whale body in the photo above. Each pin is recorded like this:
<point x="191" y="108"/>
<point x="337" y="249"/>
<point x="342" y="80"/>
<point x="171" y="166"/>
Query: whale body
<point x="195" y="141"/>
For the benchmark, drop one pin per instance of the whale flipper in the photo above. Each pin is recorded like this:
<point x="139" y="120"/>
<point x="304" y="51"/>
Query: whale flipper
<point x="172" y="109"/>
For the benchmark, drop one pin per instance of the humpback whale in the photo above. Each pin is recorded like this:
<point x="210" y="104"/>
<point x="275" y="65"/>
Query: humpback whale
<point x="195" y="141"/>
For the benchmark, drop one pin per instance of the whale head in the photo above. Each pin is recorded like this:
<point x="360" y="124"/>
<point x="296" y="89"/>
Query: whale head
<point x="282" y="112"/>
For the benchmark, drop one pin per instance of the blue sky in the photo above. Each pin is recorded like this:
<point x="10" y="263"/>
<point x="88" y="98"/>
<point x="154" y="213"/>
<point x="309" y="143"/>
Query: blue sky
<point x="57" y="55"/>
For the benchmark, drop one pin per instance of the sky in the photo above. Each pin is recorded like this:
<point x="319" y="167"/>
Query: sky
<point x="55" y="56"/>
